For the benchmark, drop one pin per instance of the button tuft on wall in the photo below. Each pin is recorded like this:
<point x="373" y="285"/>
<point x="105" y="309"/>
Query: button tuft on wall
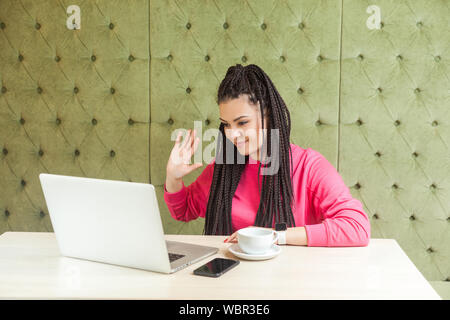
<point x="5" y="151"/>
<point x="37" y="25"/>
<point x="4" y="90"/>
<point x="94" y="121"/>
<point x="301" y="25"/>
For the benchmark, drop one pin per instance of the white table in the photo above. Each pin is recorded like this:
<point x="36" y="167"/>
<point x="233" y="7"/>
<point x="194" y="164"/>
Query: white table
<point x="32" y="268"/>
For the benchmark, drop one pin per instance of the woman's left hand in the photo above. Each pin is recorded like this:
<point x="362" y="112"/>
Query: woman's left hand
<point x="233" y="237"/>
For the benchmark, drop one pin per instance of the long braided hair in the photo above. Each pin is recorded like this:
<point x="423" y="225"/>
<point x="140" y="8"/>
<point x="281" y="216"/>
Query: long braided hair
<point x="276" y="195"/>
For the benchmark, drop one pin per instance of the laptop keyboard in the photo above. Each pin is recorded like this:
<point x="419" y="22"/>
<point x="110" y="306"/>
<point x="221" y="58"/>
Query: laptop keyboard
<point x="174" y="256"/>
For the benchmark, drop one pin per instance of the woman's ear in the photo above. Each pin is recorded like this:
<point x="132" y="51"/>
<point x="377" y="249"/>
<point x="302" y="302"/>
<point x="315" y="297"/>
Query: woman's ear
<point x="266" y="120"/>
<point x="266" y="114"/>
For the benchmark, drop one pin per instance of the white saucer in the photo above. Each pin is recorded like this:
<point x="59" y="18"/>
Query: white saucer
<point x="237" y="251"/>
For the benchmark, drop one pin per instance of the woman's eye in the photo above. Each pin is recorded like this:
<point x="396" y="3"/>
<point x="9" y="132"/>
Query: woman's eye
<point x="240" y="123"/>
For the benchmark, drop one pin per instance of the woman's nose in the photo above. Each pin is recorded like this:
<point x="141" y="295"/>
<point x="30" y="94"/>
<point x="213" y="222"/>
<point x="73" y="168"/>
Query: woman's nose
<point x="235" y="133"/>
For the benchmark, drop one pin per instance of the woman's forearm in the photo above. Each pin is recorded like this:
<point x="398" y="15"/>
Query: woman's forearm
<point x="173" y="185"/>
<point x="296" y="236"/>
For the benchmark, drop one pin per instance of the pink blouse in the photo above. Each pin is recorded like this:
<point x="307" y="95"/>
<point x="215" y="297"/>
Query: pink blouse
<point x="323" y="203"/>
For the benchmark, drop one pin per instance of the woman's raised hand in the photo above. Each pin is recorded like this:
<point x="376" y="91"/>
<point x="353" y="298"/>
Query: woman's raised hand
<point x="178" y="165"/>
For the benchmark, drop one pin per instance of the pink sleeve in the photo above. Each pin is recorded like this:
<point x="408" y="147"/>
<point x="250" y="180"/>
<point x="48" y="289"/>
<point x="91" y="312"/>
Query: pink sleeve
<point x="190" y="202"/>
<point x="343" y="220"/>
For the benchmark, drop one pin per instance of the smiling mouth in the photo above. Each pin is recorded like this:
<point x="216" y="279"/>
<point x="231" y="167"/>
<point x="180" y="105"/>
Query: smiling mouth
<point x="241" y="142"/>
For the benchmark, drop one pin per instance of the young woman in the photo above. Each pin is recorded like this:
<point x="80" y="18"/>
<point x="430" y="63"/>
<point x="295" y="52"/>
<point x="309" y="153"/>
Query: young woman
<point x="306" y="195"/>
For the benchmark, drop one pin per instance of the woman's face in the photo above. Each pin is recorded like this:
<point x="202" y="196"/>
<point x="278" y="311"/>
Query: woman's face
<point x="242" y="125"/>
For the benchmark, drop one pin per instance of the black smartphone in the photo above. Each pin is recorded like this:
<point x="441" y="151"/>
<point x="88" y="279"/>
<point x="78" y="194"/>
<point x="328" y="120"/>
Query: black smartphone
<point x="216" y="267"/>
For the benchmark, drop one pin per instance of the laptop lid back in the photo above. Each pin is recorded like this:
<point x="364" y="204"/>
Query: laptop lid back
<point x="108" y="221"/>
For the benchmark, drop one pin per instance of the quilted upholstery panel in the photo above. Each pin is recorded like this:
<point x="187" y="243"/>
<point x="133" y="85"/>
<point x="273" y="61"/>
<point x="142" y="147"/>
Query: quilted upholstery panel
<point x="73" y="102"/>
<point x="296" y="43"/>
<point x="90" y="102"/>
<point x="394" y="130"/>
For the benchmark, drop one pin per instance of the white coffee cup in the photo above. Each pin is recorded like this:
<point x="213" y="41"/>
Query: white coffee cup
<point x="256" y="240"/>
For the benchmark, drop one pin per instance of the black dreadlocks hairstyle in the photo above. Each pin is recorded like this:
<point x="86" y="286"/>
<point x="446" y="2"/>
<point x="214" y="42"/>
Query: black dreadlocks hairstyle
<point x="276" y="195"/>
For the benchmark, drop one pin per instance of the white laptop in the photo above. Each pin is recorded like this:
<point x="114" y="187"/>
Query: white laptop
<point x="114" y="222"/>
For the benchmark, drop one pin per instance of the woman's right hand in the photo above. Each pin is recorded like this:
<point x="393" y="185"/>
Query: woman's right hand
<point x="178" y="165"/>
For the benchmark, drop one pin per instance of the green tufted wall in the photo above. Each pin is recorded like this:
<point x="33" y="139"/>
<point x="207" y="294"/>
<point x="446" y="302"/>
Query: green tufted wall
<point x="394" y="126"/>
<point x="90" y="102"/>
<point x="73" y="102"/>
